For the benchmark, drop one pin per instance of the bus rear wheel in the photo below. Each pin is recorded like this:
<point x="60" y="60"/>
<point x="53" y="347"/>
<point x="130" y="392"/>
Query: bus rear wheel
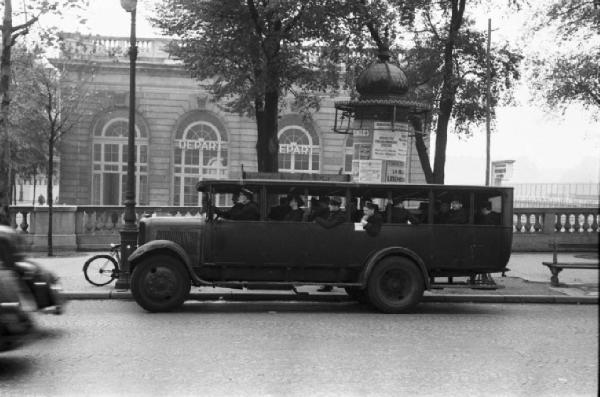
<point x="395" y="285"/>
<point x="160" y="283"/>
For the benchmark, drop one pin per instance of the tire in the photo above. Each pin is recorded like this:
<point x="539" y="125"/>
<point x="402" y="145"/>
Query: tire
<point x="160" y="283"/>
<point x="100" y="270"/>
<point x="358" y="294"/>
<point x="395" y="285"/>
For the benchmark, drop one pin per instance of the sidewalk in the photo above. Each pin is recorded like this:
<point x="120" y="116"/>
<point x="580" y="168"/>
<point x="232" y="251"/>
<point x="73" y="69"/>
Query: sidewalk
<point x="526" y="282"/>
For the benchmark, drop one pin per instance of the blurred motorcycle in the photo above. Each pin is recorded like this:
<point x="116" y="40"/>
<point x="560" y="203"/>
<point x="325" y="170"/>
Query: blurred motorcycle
<point x="25" y="287"/>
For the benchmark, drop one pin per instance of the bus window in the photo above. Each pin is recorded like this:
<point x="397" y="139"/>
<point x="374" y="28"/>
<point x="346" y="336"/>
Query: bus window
<point x="452" y="208"/>
<point x="413" y="210"/>
<point x="488" y="209"/>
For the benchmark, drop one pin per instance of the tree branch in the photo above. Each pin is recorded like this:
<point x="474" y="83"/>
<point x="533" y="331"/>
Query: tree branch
<point x="25" y="25"/>
<point x="254" y="16"/>
<point x="294" y="20"/>
<point x="432" y="26"/>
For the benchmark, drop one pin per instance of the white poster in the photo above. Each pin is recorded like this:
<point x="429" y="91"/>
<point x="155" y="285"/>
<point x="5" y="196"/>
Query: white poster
<point x="369" y="171"/>
<point x="390" y="145"/>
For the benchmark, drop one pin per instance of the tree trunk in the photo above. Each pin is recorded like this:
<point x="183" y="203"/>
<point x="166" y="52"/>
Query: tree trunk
<point x="448" y="93"/>
<point x="424" y="157"/>
<point x="5" y="166"/>
<point x="49" y="192"/>
<point x="267" y="144"/>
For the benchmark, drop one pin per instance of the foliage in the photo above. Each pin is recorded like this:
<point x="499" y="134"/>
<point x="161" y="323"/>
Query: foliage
<point x="447" y="60"/>
<point x="19" y="22"/>
<point x="570" y="73"/>
<point x="423" y="65"/>
<point x="254" y="53"/>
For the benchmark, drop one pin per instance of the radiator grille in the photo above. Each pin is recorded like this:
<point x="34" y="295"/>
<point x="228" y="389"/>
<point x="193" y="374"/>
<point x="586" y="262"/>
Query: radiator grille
<point x="187" y="240"/>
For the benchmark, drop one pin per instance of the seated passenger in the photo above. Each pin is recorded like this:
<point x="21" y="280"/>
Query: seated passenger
<point x="371" y="221"/>
<point x="486" y="216"/>
<point x="319" y="208"/>
<point x="295" y="214"/>
<point x="457" y="214"/>
<point x="401" y="214"/>
<point x="423" y="212"/>
<point x="278" y="212"/>
<point x="335" y="216"/>
<point x="243" y="210"/>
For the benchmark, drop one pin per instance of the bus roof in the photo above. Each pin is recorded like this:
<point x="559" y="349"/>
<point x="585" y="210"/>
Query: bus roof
<point x="234" y="185"/>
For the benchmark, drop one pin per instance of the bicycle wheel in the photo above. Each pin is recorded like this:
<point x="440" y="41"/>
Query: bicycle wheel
<point x="100" y="270"/>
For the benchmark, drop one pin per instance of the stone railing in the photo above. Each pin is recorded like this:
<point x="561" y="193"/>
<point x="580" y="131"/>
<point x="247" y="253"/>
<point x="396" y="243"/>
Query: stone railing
<point x="89" y="227"/>
<point x="535" y="228"/>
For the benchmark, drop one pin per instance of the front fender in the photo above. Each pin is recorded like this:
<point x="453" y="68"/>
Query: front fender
<point x="394" y="251"/>
<point x="163" y="245"/>
<point x="156" y="245"/>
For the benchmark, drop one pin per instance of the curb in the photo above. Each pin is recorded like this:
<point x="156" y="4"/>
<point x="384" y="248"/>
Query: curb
<point x="253" y="297"/>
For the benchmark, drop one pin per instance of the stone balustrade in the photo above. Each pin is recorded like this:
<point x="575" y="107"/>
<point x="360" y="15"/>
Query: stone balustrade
<point x="88" y="227"/>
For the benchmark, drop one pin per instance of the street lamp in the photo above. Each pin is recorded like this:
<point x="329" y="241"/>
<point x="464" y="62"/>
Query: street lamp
<point x="129" y="231"/>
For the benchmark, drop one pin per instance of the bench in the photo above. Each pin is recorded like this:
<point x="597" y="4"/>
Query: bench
<point x="556" y="267"/>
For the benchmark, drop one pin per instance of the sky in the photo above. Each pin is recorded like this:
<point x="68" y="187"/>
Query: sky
<point x="546" y="147"/>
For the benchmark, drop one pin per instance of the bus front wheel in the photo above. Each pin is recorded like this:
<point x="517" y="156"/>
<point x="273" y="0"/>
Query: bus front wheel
<point x="160" y="283"/>
<point x="395" y="285"/>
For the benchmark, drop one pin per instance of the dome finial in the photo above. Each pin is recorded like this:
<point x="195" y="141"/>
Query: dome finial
<point x="383" y="52"/>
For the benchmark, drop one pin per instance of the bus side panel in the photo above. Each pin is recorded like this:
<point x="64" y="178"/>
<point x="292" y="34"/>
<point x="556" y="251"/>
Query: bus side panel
<point x="492" y="247"/>
<point x="452" y="248"/>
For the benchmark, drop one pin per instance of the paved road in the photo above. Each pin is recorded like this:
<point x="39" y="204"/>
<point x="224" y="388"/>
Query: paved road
<point x="290" y="349"/>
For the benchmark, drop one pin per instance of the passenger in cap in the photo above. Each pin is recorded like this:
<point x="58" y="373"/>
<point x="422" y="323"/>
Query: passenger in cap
<point x="335" y="217"/>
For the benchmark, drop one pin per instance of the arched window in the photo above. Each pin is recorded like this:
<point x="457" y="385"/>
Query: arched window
<point x="109" y="172"/>
<point x="299" y="150"/>
<point x="199" y="152"/>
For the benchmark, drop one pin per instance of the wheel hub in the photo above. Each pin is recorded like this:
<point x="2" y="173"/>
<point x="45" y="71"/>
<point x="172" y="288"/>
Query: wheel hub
<point x="161" y="283"/>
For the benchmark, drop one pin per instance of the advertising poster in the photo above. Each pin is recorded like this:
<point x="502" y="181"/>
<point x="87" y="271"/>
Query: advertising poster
<point x="369" y="171"/>
<point x="390" y="145"/>
<point x="395" y="172"/>
<point x="362" y="151"/>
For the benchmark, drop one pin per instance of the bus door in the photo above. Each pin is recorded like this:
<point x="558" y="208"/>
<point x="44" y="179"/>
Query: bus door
<point x="453" y="236"/>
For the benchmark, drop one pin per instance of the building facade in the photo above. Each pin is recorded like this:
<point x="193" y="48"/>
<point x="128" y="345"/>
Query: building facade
<point x="182" y="135"/>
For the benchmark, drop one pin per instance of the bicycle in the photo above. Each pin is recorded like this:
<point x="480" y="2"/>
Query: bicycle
<point x="102" y="269"/>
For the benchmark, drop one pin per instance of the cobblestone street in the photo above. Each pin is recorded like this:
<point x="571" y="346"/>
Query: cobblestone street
<point x="282" y="349"/>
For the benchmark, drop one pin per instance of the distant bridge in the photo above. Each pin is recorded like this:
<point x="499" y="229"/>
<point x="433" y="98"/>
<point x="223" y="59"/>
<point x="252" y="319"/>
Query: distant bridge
<point x="553" y="195"/>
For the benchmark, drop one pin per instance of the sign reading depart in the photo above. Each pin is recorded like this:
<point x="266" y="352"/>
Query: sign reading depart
<point x="197" y="144"/>
<point x="289" y="148"/>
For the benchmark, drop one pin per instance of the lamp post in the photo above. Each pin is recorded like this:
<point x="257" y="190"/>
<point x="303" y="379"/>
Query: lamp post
<point x="129" y="231"/>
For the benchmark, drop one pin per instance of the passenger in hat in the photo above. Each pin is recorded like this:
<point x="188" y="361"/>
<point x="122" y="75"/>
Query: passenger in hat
<point x="245" y="209"/>
<point x="486" y="216"/>
<point x="295" y="214"/>
<point x="278" y="212"/>
<point x="401" y="214"/>
<point x="457" y="214"/>
<point x="371" y="220"/>
<point x="319" y="208"/>
<point x="335" y="216"/>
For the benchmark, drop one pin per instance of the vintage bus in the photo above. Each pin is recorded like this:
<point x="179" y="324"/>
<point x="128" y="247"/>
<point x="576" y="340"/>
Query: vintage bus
<point x="427" y="232"/>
